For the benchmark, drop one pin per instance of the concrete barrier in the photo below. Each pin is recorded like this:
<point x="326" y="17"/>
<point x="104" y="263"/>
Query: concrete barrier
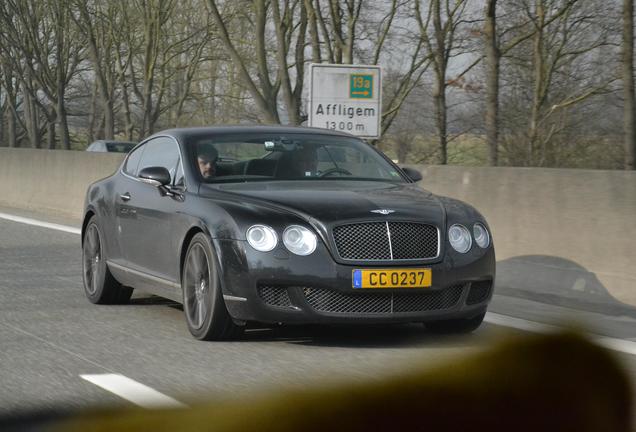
<point x="53" y="181"/>
<point x="559" y="233"/>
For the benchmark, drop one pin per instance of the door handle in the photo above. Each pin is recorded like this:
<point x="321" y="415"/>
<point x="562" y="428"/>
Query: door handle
<point x="125" y="197"/>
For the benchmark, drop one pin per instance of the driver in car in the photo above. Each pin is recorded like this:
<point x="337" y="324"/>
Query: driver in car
<point x="206" y="159"/>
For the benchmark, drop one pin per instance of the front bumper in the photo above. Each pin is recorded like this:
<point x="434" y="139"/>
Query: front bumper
<point x="279" y="287"/>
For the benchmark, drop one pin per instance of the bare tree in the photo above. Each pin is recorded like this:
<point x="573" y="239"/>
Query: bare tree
<point x="551" y="73"/>
<point x="18" y="81"/>
<point x="628" y="85"/>
<point x="94" y="19"/>
<point x="441" y="41"/>
<point x="152" y="15"/>
<point x="48" y="53"/>
<point x="11" y="106"/>
<point x="264" y="92"/>
<point x="492" y="55"/>
<point x="339" y="22"/>
<point x="284" y="29"/>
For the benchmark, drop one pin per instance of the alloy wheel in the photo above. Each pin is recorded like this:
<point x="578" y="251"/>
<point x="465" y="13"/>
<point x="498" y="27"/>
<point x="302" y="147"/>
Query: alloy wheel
<point x="92" y="259"/>
<point x="197" y="287"/>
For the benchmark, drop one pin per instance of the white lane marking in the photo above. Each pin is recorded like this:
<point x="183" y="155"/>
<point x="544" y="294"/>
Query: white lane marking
<point x="126" y="388"/>
<point x="614" y="344"/>
<point x="29" y="221"/>
<point x="518" y="323"/>
<point x="133" y="391"/>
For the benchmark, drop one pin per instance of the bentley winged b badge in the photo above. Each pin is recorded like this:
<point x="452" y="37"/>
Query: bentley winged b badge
<point x="383" y="211"/>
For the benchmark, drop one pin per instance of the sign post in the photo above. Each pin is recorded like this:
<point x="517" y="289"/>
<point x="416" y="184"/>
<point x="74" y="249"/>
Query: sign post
<point x="346" y="98"/>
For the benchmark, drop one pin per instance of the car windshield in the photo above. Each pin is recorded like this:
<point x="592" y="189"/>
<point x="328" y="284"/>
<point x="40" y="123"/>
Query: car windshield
<point x="119" y="147"/>
<point x="264" y="157"/>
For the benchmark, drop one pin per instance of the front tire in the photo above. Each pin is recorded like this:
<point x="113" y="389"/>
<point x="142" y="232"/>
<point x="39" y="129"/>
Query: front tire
<point x="456" y="326"/>
<point x="206" y="315"/>
<point x="100" y="285"/>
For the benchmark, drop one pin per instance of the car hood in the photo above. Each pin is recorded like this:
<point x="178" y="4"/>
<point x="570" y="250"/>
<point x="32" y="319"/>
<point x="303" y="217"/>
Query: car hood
<point x="330" y="201"/>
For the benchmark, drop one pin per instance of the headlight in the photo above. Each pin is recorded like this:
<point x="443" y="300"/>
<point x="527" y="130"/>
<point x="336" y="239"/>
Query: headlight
<point x="460" y="238"/>
<point x="262" y="238"/>
<point x="482" y="238"/>
<point x="299" y="240"/>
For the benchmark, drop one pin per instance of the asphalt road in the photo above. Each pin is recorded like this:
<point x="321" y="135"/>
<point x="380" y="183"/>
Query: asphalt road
<point x="50" y="335"/>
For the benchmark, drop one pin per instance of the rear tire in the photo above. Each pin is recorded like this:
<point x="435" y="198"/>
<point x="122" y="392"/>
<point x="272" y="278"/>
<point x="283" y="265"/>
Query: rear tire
<point x="456" y="326"/>
<point x="206" y="315"/>
<point x="100" y="285"/>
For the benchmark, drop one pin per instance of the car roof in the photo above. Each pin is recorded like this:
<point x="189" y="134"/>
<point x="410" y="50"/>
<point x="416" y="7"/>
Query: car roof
<point x="183" y="133"/>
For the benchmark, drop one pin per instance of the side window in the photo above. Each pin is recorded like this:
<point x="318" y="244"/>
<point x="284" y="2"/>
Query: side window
<point x="179" y="177"/>
<point x="161" y="152"/>
<point x="133" y="161"/>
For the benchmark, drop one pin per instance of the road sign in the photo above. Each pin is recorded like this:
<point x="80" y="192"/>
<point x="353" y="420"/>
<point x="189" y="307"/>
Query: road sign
<point x="346" y="98"/>
<point x="361" y="86"/>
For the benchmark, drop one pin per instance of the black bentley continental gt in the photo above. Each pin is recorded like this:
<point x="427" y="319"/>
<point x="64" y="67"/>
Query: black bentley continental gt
<point x="283" y="225"/>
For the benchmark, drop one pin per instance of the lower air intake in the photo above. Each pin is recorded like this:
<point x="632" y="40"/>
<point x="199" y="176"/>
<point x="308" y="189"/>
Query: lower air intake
<point x="382" y="303"/>
<point x="479" y="292"/>
<point x="274" y="295"/>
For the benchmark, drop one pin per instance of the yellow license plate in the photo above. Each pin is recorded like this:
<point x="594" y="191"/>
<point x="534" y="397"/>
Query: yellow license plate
<point x="390" y="278"/>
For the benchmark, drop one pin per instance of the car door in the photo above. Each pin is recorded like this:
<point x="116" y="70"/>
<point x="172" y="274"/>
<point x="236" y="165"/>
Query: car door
<point x="120" y="195"/>
<point x="146" y="224"/>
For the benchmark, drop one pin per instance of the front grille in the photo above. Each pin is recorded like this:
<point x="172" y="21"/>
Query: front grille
<point x="376" y="241"/>
<point x="274" y="295"/>
<point x="363" y="241"/>
<point x="382" y="303"/>
<point x="479" y="292"/>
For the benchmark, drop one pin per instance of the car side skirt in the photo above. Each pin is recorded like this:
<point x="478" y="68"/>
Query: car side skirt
<point x="146" y="282"/>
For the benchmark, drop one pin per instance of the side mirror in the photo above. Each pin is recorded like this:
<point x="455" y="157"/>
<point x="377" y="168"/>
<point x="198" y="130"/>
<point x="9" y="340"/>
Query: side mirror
<point x="156" y="176"/>
<point x="412" y="173"/>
